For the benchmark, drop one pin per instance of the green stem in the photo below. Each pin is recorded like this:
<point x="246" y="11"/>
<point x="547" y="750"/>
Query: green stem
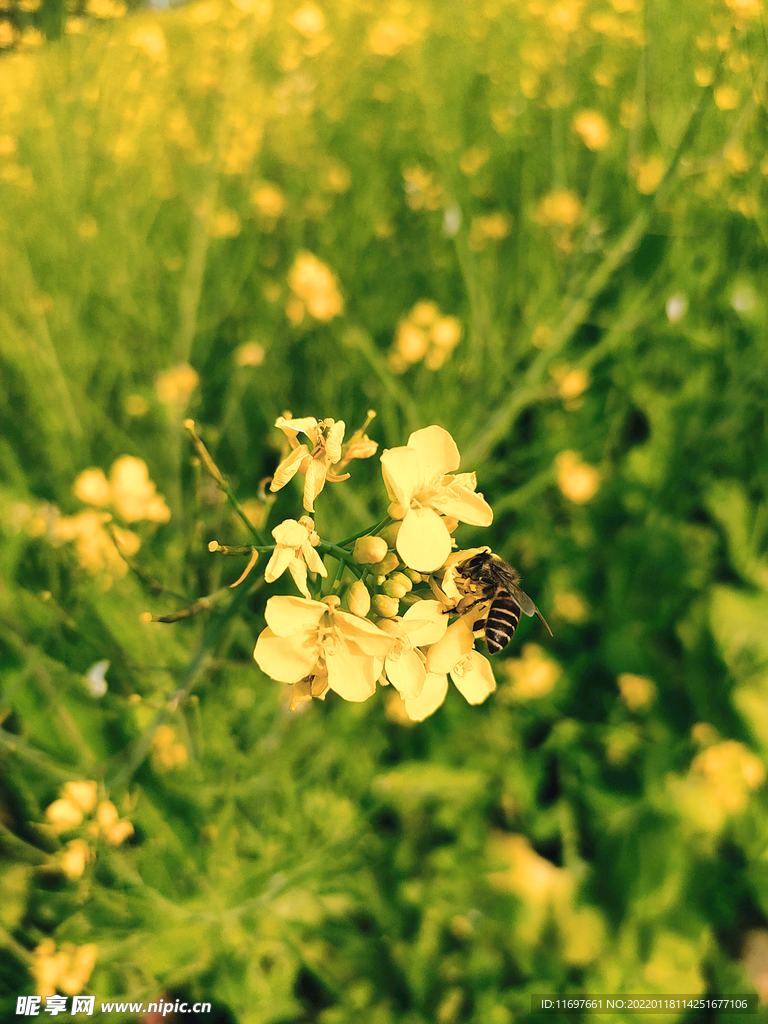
<point x="371" y="530"/>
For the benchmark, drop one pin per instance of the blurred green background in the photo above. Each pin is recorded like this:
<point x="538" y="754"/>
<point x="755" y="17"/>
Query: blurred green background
<point x="540" y="224"/>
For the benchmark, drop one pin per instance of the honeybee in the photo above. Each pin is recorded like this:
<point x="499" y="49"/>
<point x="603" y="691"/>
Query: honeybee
<point x="486" y="577"/>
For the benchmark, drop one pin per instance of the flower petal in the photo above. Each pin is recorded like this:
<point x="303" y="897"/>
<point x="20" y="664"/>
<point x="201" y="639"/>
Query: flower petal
<point x="406" y="673"/>
<point x="278" y="563"/>
<point x="426" y="623"/>
<point x="473" y="677"/>
<point x="289" y="467"/>
<point x="314" y="482"/>
<point x="400" y="470"/>
<point x="429" y="700"/>
<point x="363" y="634"/>
<point x="455" y="645"/>
<point x="351" y="674"/>
<point x="423" y="542"/>
<point x="313" y="560"/>
<point x="298" y="570"/>
<point x="289" y="615"/>
<point x="291" y="533"/>
<point x="436" y="450"/>
<point x="333" y="442"/>
<point x="303" y="425"/>
<point x="463" y="504"/>
<point x="287" y="659"/>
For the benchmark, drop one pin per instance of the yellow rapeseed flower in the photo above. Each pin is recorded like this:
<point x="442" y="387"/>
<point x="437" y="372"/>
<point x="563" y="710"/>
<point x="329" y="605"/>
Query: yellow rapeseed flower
<point x="648" y="173"/>
<point x="578" y="481"/>
<point x="308" y="638"/>
<point x="175" y="385"/>
<point x="116" y="829"/>
<point x="316" y="286"/>
<point x="423" y="487"/>
<point x="295" y="551"/>
<point x="637" y="692"/>
<point x="405" y="666"/>
<point x="593" y="129"/>
<point x="326" y="437"/>
<point x="92" y="487"/>
<point x="534" y="674"/>
<point x="561" y="207"/>
<point x="75" y="857"/>
<point x="95" y="547"/>
<point x="67" y="970"/>
<point x="308" y="20"/>
<point x="134" y="495"/>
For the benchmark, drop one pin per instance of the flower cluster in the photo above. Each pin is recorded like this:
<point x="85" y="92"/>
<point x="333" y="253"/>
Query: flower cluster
<point x="398" y="610"/>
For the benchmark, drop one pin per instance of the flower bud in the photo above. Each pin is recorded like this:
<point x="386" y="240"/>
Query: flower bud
<point x="369" y="549"/>
<point x="389" y="533"/>
<point x="359" y="599"/>
<point x="386" y="607"/>
<point x="413" y="576"/>
<point x="403" y="580"/>
<point x="386" y="565"/>
<point x="392" y="588"/>
<point x="396" y="510"/>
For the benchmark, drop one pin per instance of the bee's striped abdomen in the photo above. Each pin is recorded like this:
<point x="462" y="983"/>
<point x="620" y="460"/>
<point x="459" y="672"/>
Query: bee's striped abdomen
<point x="500" y="626"/>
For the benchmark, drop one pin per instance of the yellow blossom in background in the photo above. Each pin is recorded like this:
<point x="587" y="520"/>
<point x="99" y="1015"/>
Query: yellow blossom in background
<point x="116" y="829"/>
<point x="168" y="751"/>
<point x="704" y="77"/>
<point x="268" y="200"/>
<point x="308" y="20"/>
<point x="421" y="190"/>
<point x="570" y="383"/>
<point x="490" y="227"/>
<point x="423" y="487"/>
<point x="307" y="638"/>
<point x="578" y="481"/>
<point x="424" y="313"/>
<point x="136" y="405"/>
<point x="562" y="208"/>
<point x="534" y="674"/>
<point x="295" y="551"/>
<point x="250" y="354"/>
<point x="315" y="285"/>
<point x="175" y="385"/>
<point x="730" y="772"/>
<point x="647" y="172"/>
<point x="95" y="547"/>
<point x="593" y="129"/>
<point x="389" y="36"/>
<point x="473" y="159"/>
<point x="66" y="970"/>
<point x="571" y="607"/>
<point x="704" y="734"/>
<point x="726" y="97"/>
<point x="326" y="437"/>
<point x="92" y="487"/>
<point x="151" y="41"/>
<point x="224" y="224"/>
<point x="424" y="334"/>
<point x="134" y="495"/>
<point x="637" y="692"/>
<point x="74" y="858"/>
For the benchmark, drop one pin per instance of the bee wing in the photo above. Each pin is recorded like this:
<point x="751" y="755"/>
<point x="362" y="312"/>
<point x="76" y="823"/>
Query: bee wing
<point x="527" y="605"/>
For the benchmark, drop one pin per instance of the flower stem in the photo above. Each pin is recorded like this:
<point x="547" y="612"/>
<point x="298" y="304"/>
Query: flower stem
<point x="214" y="471"/>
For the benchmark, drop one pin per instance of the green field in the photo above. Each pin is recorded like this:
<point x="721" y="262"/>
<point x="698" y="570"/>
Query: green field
<point x="541" y="225"/>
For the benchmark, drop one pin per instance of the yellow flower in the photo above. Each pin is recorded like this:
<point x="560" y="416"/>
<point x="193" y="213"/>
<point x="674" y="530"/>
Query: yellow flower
<point x="175" y="385"/>
<point x="405" y="666"/>
<point x="268" y="200"/>
<point x="315" y="284"/>
<point x="64" y="814"/>
<point x="593" y="129"/>
<point x="563" y="208"/>
<point x="68" y="970"/>
<point x="452" y="655"/>
<point x="75" y="857"/>
<point x="134" y="495"/>
<point x="95" y="547"/>
<point x="114" y="828"/>
<point x="307" y="638"/>
<point x="533" y="674"/>
<point x="92" y="487"/>
<point x="167" y="750"/>
<point x="423" y="488"/>
<point x="326" y="437"/>
<point x="295" y="551"/>
<point x="729" y="771"/>
<point x="251" y="353"/>
<point x="308" y="20"/>
<point x="637" y="692"/>
<point x="578" y="481"/>
<point x="647" y="172"/>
